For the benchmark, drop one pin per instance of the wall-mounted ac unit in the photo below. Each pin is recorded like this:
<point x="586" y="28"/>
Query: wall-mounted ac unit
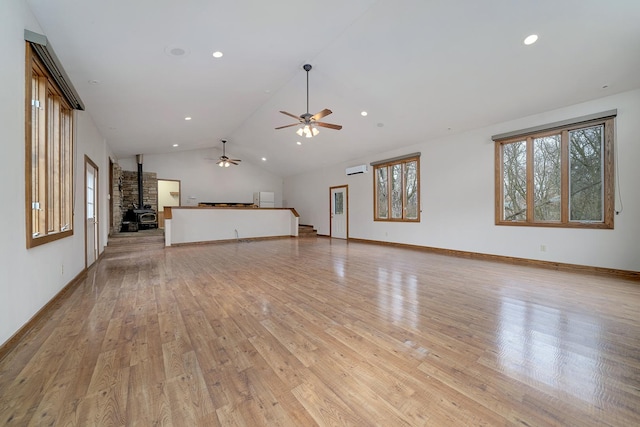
<point x="356" y="169"/>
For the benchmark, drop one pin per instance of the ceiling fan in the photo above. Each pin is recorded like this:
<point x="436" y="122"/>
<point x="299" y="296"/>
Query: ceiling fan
<point x="308" y="122"/>
<point x="224" y="160"/>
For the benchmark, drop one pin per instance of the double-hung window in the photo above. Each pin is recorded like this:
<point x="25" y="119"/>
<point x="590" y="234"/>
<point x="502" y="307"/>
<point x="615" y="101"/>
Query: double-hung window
<point x="397" y="189"/>
<point x="49" y="154"/>
<point x="561" y="175"/>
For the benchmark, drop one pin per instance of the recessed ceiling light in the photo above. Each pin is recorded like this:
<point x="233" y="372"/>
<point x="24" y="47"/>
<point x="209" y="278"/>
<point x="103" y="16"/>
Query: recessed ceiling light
<point x="94" y="82"/>
<point x="264" y="159"/>
<point x="187" y="118"/>
<point x="176" y="145"/>
<point x="298" y="142"/>
<point x="531" y="39"/>
<point x="217" y="54"/>
<point x="364" y="113"/>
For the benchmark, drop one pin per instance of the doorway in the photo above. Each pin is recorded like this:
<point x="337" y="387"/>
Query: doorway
<point x="90" y="212"/>
<point x="168" y="195"/>
<point x="339" y="218"/>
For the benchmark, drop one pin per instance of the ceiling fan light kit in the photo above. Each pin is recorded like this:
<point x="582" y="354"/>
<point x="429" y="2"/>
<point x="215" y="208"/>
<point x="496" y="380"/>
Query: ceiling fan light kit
<point x="225" y="161"/>
<point x="308" y="131"/>
<point x="307" y="123"/>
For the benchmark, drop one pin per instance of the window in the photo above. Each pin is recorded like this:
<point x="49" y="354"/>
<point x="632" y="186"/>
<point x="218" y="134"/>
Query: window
<point x="338" y="203"/>
<point x="49" y="156"/>
<point x="561" y="176"/>
<point x="397" y="189"/>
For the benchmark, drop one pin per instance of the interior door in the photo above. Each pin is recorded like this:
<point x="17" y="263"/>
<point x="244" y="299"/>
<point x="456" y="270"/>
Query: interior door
<point x="91" y="212"/>
<point x="339" y="212"/>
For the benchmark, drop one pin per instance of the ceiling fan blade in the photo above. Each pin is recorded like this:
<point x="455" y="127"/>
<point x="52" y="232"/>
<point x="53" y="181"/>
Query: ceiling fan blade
<point x="321" y="114"/>
<point x="233" y="163"/>
<point x="328" y="125"/>
<point x="291" y="115"/>
<point x="234" y="160"/>
<point x="288" y="126"/>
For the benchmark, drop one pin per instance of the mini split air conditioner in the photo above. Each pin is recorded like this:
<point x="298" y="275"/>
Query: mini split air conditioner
<point x="356" y="169"/>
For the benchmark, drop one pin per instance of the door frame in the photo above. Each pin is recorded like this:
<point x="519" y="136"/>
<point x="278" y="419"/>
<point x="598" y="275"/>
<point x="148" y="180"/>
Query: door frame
<point x="346" y="190"/>
<point x="96" y="208"/>
<point x="158" y="191"/>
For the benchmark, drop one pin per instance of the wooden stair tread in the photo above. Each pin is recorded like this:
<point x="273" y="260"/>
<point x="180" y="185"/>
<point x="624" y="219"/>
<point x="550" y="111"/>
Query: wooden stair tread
<point x="305" y="230"/>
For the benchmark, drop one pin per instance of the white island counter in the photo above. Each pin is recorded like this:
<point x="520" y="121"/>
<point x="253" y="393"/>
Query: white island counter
<point x="191" y="224"/>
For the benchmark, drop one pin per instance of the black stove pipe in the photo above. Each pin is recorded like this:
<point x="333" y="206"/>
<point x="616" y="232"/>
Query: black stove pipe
<point x="140" y="187"/>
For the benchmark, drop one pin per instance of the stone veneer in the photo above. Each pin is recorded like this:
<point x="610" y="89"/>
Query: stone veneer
<point x="116" y="199"/>
<point x="130" y="190"/>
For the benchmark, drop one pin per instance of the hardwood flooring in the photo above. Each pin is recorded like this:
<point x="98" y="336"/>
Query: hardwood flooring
<point x="320" y="332"/>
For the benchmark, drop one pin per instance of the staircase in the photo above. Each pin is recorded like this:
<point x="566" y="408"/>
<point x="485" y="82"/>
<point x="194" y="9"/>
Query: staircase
<point x="141" y="241"/>
<point x="306" y="231"/>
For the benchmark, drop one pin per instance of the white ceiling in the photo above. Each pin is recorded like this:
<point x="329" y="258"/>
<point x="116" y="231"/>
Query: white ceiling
<point x="421" y="68"/>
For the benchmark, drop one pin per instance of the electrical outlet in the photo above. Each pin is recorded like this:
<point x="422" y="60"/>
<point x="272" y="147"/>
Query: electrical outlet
<point x="62" y="269"/>
<point x="543" y="248"/>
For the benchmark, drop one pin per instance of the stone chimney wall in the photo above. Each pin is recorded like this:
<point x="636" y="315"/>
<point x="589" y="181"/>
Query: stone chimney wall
<point x="130" y="190"/>
<point x="116" y="199"/>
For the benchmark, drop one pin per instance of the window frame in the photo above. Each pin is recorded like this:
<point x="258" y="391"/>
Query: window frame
<point x="50" y="149"/>
<point x="388" y="165"/>
<point x="607" y="165"/>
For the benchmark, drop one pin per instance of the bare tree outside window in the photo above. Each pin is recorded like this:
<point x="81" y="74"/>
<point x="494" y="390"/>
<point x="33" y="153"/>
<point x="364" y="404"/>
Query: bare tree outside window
<point x="514" y="158"/>
<point x="397" y="190"/>
<point x="546" y="178"/>
<point x="585" y="178"/>
<point x="382" y="195"/>
<point x="411" y="185"/>
<point x="560" y="178"/>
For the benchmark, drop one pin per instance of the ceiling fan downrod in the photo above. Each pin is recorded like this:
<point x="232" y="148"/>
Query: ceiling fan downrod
<point x="307" y="68"/>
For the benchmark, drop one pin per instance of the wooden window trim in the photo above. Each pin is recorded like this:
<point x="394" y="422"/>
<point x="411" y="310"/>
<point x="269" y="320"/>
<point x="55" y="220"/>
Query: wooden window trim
<point x="564" y="222"/>
<point x="388" y="164"/>
<point x="62" y="189"/>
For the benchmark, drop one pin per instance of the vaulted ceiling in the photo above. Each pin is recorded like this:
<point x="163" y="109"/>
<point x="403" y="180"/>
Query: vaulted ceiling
<point x="422" y="69"/>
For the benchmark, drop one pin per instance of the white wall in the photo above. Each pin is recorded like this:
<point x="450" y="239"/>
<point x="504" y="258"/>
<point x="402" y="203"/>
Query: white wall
<point x="211" y="224"/>
<point x="30" y="278"/>
<point x="202" y="180"/>
<point x="457" y="197"/>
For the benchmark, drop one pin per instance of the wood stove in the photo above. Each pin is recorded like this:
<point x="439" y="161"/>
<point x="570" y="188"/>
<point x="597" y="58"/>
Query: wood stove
<point x="143" y="218"/>
<point x="140" y="216"/>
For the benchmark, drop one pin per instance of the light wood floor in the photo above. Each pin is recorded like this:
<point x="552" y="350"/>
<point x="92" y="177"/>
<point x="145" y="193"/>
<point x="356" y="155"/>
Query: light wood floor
<point x="305" y="332"/>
